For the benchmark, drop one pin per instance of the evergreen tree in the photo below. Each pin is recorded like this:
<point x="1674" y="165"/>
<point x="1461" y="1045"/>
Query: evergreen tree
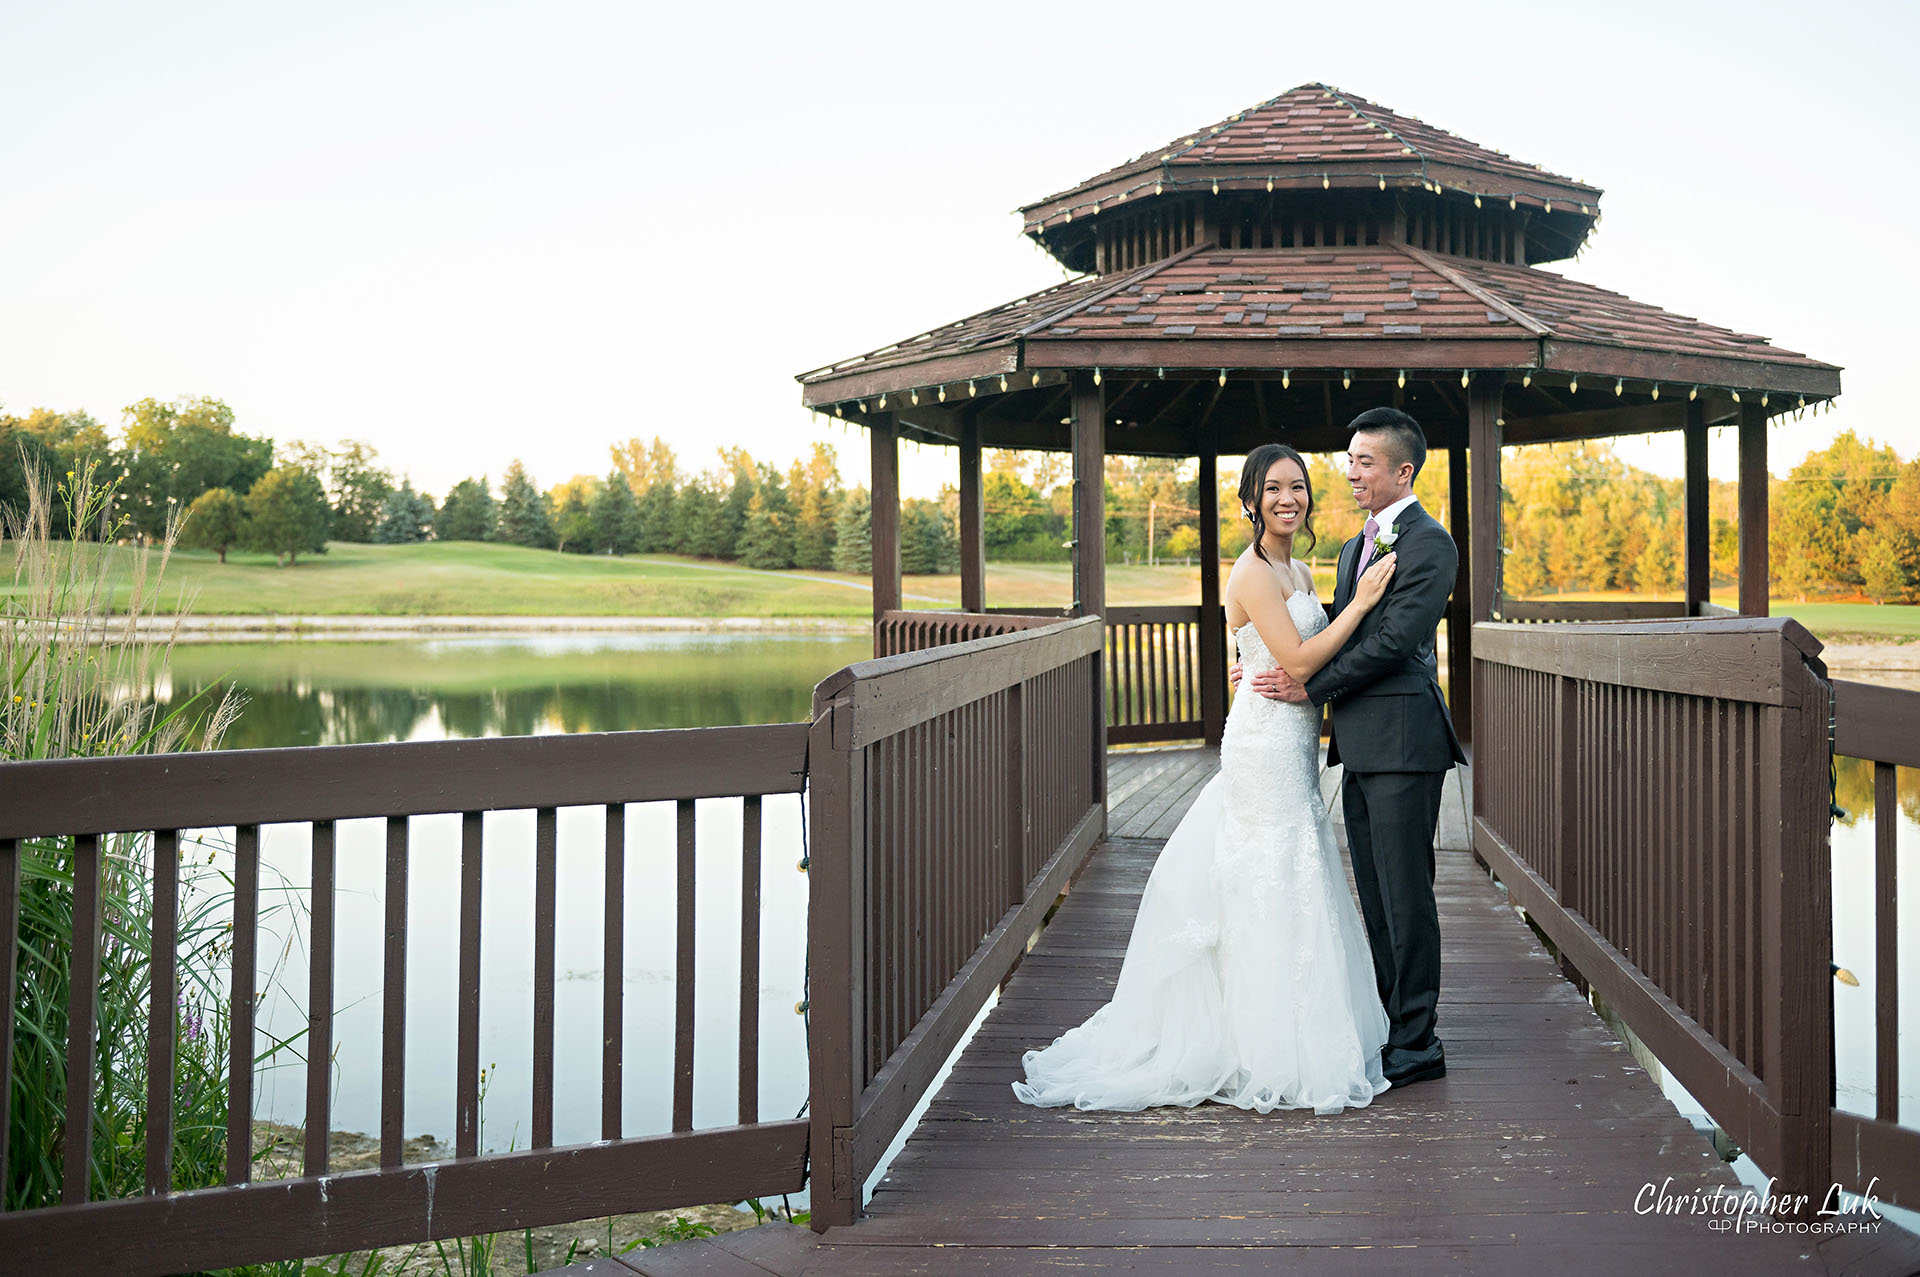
<point x="927" y="542"/>
<point x="733" y="507"/>
<point x="766" y="542"/>
<point x="699" y="528"/>
<point x="853" y="534"/>
<point x="406" y="516"/>
<point x="658" y="513"/>
<point x="526" y="518"/>
<point x="612" y="525"/>
<point x="215" y="521"/>
<point x="287" y="513"/>
<point x="468" y="513"/>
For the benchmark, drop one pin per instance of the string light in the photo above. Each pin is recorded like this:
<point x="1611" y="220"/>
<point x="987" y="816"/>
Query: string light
<point x="1286" y="378"/>
<point x="1573" y="385"/>
<point x="1736" y="396"/>
<point x="1526" y="379"/>
<point x="1803" y="402"/>
<point x="1402" y="382"/>
<point x="1549" y="206"/>
<point x="1346" y="379"/>
<point x="972" y="390"/>
<point x="1326" y="183"/>
<point x="1383" y="183"/>
<point x="1069" y="215"/>
<point x="863" y="405"/>
<point x="943" y="394"/>
<point x="1157" y="188"/>
<point x="1693" y="394"/>
<point x="1223" y="376"/>
<point x="1216" y="186"/>
<point x="1463" y="379"/>
<point x="1513" y="201"/>
<point x="1036" y="379"/>
<point x="1476" y="201"/>
<point x="1160" y="373"/>
<point x="1656" y="392"/>
<point x="1619" y="387"/>
<point x="1269" y="183"/>
<point x="1763" y="400"/>
<point x="1003" y="381"/>
<point x="1096" y="375"/>
<point x="915" y="396"/>
<point x="883" y="403"/>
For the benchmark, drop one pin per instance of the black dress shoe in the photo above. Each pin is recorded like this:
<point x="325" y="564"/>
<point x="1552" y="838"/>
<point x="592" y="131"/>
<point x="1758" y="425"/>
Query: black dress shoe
<point x="1403" y="1068"/>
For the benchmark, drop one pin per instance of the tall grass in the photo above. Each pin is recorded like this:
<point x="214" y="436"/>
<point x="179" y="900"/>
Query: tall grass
<point x="81" y="683"/>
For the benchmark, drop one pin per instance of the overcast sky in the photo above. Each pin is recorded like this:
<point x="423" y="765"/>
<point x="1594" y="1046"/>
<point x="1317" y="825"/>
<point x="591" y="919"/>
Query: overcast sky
<point x="472" y="232"/>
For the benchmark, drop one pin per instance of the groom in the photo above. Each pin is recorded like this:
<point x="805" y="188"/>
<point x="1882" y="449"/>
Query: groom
<point x="1392" y="731"/>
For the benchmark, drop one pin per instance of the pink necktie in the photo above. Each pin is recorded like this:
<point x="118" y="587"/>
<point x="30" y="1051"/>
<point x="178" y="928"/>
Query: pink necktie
<point x="1367" y="534"/>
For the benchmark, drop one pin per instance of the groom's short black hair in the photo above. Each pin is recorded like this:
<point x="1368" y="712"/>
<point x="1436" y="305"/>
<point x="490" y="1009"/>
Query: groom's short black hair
<point x="1405" y="442"/>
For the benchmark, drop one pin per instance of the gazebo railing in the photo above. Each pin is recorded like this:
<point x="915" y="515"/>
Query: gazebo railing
<point x="1156" y="663"/>
<point x="1656" y="797"/>
<point x="955" y="792"/>
<point x="159" y="801"/>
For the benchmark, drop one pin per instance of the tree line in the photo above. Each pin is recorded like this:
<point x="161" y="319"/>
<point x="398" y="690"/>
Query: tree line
<point x="1577" y="518"/>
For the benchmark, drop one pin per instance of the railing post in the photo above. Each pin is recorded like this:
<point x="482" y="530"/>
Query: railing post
<point x="836" y="913"/>
<point x="1797" y="903"/>
<point x="1213" y="623"/>
<point x="1018" y="822"/>
<point x="1566" y="808"/>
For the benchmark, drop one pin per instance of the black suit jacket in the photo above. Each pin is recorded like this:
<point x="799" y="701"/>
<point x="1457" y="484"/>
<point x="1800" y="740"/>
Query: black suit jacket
<point x="1382" y="688"/>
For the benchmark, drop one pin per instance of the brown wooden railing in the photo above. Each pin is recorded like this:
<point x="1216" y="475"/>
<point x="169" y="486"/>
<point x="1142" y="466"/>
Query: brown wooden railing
<point x="955" y="791"/>
<point x="899" y="632"/>
<point x="1656" y="796"/>
<point x="1157" y="663"/>
<point x="319" y="1213"/>
<point x="1882" y="725"/>
<point x="1514" y="610"/>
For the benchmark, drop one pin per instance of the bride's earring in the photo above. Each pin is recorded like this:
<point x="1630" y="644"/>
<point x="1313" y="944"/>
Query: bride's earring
<point x="1249" y="514"/>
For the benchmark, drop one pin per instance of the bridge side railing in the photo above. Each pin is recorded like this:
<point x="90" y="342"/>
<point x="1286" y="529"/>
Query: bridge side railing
<point x="1655" y="795"/>
<point x="1882" y="726"/>
<point x="955" y="792"/>
<point x="142" y="812"/>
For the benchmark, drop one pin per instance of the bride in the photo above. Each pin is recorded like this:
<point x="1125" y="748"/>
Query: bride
<point x="1247" y="980"/>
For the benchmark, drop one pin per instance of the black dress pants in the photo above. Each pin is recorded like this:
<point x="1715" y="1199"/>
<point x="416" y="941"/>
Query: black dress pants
<point x="1391" y="818"/>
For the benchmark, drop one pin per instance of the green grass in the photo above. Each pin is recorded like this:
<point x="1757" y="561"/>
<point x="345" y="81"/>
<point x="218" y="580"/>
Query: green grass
<point x="469" y="578"/>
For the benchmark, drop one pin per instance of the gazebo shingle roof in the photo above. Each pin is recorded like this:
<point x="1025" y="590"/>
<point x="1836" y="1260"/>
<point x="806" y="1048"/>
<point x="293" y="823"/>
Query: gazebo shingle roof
<point x="1323" y="130"/>
<point x="1299" y="299"/>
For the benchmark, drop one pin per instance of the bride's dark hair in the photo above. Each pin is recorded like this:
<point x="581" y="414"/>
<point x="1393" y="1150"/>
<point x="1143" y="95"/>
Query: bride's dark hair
<point x="1253" y="478"/>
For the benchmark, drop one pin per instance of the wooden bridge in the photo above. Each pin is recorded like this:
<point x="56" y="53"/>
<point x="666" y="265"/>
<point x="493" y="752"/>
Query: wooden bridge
<point x="1654" y="794"/>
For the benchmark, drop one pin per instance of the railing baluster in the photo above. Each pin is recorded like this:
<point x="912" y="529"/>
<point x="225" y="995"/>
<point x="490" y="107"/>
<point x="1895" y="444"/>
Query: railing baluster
<point x="683" y="969"/>
<point x="393" y="998"/>
<point x="750" y="829"/>
<point x="320" y="1001"/>
<point x="466" y="1082"/>
<point x="1886" y="951"/>
<point x="163" y="974"/>
<point x="9" y="978"/>
<point x="546" y="871"/>
<point x="246" y="948"/>
<point x="83" y="991"/>
<point x="613" y="973"/>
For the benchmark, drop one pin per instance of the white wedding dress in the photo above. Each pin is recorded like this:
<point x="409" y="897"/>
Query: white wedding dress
<point x="1248" y="980"/>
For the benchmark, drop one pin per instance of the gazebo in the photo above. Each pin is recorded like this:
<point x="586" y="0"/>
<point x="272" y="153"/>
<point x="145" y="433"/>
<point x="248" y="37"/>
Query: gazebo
<point x="1268" y="278"/>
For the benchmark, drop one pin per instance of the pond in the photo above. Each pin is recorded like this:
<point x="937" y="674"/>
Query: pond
<point x="329" y="693"/>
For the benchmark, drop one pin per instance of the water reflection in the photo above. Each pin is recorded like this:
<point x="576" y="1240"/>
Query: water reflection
<point x="338" y="693"/>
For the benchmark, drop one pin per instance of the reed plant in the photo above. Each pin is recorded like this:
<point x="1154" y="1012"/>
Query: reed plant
<point x="81" y="682"/>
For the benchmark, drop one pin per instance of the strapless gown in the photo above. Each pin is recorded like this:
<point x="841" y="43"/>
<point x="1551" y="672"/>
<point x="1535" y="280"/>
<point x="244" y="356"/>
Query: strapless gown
<point x="1247" y="980"/>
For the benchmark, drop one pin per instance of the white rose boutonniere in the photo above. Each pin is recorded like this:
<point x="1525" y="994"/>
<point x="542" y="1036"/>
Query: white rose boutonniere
<point x="1383" y="542"/>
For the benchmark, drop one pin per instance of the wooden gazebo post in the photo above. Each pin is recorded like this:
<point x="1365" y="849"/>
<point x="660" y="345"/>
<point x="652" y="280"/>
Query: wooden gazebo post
<point x="1754" y="577"/>
<point x="1699" y="542"/>
<point x="885" y="524"/>
<point x="973" y="545"/>
<point x="1089" y="496"/>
